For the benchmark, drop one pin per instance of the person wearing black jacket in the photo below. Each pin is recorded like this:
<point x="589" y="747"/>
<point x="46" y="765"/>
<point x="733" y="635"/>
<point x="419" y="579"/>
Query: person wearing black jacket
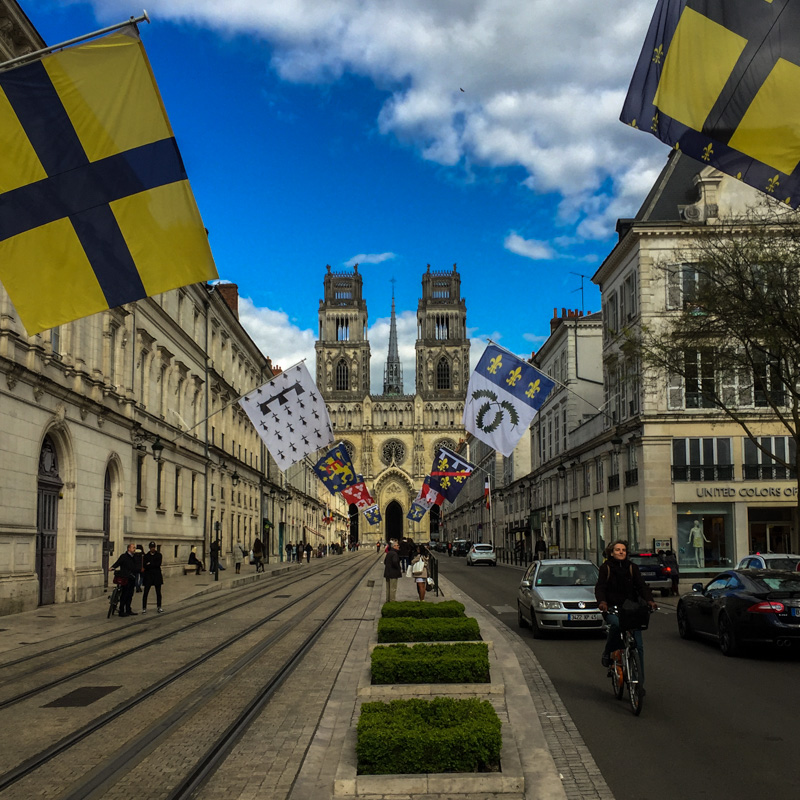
<point x="152" y="576"/>
<point x="126" y="564"/>
<point x="391" y="570"/>
<point x="620" y="580"/>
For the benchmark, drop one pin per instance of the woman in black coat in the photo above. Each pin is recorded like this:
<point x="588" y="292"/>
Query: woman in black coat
<point x="152" y="576"/>
<point x="620" y="580"/>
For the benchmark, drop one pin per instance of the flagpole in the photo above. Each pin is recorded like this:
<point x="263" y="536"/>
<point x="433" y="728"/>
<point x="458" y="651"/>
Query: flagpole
<point x="45" y="50"/>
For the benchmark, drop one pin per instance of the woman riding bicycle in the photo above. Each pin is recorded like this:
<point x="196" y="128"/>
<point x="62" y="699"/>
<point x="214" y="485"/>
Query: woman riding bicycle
<point x="620" y="580"/>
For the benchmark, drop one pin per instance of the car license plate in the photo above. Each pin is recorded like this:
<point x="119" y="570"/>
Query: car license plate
<point x="647" y="575"/>
<point x="583" y="617"/>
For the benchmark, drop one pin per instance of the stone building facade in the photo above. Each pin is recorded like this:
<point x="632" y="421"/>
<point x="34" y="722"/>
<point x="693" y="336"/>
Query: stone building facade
<point x="392" y="436"/>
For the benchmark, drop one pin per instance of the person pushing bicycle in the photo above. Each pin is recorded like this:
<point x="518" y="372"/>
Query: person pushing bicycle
<point x="620" y="580"/>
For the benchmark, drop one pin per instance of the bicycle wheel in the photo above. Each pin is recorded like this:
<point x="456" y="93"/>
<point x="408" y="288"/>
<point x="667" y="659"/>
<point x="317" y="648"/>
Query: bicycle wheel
<point x="113" y="602"/>
<point x="616" y="674"/>
<point x="635" y="687"/>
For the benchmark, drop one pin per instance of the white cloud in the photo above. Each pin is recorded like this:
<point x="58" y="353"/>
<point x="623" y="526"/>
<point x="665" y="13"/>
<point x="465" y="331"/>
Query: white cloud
<point x="530" y="248"/>
<point x="369" y="258"/>
<point x="276" y="336"/>
<point x="543" y="83"/>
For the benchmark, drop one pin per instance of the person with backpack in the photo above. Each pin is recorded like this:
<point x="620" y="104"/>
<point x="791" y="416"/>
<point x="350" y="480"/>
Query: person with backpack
<point x="620" y="580"/>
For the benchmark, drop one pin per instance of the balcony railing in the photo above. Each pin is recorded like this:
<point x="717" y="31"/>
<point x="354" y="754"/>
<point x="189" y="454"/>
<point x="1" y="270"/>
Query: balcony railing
<point x="766" y="472"/>
<point x="717" y="472"/>
<point x="631" y="477"/>
<point x="613" y="482"/>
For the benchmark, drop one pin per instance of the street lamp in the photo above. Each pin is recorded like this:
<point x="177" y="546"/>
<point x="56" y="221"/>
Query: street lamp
<point x="158" y="448"/>
<point x="217" y="527"/>
<point x="235" y="478"/>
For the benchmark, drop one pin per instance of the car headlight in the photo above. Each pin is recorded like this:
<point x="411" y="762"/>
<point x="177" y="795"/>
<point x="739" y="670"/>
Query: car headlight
<point x="552" y="604"/>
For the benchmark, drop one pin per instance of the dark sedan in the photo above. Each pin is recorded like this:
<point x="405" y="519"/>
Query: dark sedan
<point x="744" y="607"/>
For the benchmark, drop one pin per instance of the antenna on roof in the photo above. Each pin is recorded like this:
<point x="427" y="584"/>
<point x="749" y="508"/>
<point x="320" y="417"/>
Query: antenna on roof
<point x="581" y="276"/>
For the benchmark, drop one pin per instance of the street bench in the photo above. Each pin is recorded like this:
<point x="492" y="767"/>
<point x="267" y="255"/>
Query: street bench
<point x="187" y="568"/>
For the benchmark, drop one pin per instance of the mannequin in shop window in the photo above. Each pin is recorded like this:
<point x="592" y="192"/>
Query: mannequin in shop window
<point x="697" y="539"/>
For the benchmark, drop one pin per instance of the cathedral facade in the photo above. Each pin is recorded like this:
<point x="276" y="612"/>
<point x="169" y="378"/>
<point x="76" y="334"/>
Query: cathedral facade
<point x="392" y="436"/>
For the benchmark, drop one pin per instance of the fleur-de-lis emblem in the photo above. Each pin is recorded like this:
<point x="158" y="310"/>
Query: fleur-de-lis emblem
<point x="654" y="125"/>
<point x="445" y="482"/>
<point x="533" y="389"/>
<point x="708" y="151"/>
<point x="495" y="364"/>
<point x="658" y="54"/>
<point x="633" y="124"/>
<point x="443" y="464"/>
<point x="514" y="376"/>
<point x="772" y="184"/>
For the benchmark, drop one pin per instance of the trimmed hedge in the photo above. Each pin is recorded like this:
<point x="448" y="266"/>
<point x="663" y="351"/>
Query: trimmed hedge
<point x="419" y="736"/>
<point x="413" y="608"/>
<point x="431" y="663"/>
<point x="446" y="629"/>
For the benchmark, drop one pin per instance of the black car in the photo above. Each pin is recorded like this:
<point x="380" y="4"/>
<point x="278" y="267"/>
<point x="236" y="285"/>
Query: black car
<point x="655" y="573"/>
<point x="744" y="607"/>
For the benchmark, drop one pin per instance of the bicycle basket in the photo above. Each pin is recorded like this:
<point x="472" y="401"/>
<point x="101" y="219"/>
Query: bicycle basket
<point x="634" y="615"/>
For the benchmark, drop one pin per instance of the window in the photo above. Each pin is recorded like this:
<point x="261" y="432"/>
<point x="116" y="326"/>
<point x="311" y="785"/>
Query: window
<point x="632" y="473"/>
<point x="342" y="376"/>
<point x="633" y="525"/>
<point x="683" y="282"/>
<point x="194" y="493"/>
<point x="613" y="513"/>
<point x="702" y="460"/>
<point x="761" y="466"/>
<point x="587" y="479"/>
<point x="178" y="487"/>
<point x="630" y="300"/>
<point x="443" y="374"/>
<point x="160" y="486"/>
<point x="611" y="315"/>
<point x="767" y="384"/>
<point x="700" y="386"/>
<point x="598" y="471"/>
<point x="140" y="480"/>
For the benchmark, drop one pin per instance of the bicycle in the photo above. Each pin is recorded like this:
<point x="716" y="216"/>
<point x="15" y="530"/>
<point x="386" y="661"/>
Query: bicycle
<point x="113" y="600"/>
<point x="626" y="668"/>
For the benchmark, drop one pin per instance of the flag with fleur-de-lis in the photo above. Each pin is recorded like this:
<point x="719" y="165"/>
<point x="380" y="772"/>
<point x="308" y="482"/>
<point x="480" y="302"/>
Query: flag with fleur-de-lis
<point x="449" y="474"/>
<point x="372" y="515"/>
<point x="503" y="396"/>
<point x="290" y="415"/>
<point x="416" y="512"/>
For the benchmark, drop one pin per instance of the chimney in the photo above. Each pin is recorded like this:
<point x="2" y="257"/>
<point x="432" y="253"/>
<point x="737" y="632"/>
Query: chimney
<point x="230" y="294"/>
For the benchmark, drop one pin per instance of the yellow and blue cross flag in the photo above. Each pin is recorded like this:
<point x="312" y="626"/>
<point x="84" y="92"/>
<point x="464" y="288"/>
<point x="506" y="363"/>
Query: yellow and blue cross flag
<point x="503" y="396"/>
<point x="335" y="469"/>
<point x="95" y="206"/>
<point x="448" y="475"/>
<point x="720" y="81"/>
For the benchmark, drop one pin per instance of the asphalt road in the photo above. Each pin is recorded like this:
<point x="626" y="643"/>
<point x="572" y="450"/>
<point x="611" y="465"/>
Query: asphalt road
<point x="712" y="728"/>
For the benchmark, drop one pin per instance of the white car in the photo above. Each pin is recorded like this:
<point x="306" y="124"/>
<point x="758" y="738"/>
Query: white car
<point x="785" y="561"/>
<point x="481" y="554"/>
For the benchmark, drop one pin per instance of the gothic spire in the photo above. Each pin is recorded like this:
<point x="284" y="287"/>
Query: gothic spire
<point x="393" y="374"/>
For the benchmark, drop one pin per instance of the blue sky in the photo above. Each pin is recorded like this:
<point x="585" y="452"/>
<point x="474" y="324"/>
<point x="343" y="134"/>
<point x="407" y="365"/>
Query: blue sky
<point x="332" y="131"/>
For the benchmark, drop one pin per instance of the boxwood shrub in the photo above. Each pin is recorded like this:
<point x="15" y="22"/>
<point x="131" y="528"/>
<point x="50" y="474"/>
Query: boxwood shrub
<point x="413" y="608"/>
<point x="419" y="736"/>
<point x="462" y="662"/>
<point x="445" y="629"/>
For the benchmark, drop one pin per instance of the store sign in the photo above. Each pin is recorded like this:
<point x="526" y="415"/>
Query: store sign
<point x="746" y="491"/>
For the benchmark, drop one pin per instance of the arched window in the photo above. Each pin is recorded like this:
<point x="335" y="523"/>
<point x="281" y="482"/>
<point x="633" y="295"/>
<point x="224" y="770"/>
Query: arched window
<point x="443" y="374"/>
<point x="342" y="376"/>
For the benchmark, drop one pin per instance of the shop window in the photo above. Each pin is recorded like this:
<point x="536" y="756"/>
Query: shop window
<point x="705" y="537"/>
<point x="702" y="459"/>
<point x="632" y="512"/>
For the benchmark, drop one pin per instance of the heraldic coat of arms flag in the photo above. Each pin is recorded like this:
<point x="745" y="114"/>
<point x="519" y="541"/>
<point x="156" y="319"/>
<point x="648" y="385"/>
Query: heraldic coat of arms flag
<point x="503" y="396"/>
<point x="416" y="512"/>
<point x="720" y="81"/>
<point x="372" y="515"/>
<point x="448" y="475"/>
<point x="290" y="415"/>
<point x="335" y="469"/>
<point x="95" y="206"/>
<point x="358" y="494"/>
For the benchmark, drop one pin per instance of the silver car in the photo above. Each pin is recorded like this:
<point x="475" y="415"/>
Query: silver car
<point x="558" y="595"/>
<point x="783" y="561"/>
<point x="481" y="554"/>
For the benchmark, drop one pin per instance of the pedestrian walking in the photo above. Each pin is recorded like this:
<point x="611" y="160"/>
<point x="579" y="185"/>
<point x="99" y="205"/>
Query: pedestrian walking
<point x="289" y="551"/>
<point x="419" y="570"/>
<point x="308" y="550"/>
<point x="258" y="554"/>
<point x="152" y="576"/>
<point x="298" y="552"/>
<point x="138" y="556"/>
<point x="405" y="554"/>
<point x="238" y="554"/>
<point x="126" y="570"/>
<point x="391" y="570"/>
<point x="540" y="548"/>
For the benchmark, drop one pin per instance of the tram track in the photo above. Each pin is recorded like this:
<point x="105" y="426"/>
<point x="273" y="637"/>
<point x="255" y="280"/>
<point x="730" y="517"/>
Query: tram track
<point x="191" y="705"/>
<point x="123" y="640"/>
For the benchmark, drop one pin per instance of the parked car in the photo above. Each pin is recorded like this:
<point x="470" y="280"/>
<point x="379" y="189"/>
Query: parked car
<point x="655" y="574"/>
<point x="770" y="561"/>
<point x="558" y="595"/>
<point x="461" y="547"/>
<point x="481" y="554"/>
<point x="739" y="608"/>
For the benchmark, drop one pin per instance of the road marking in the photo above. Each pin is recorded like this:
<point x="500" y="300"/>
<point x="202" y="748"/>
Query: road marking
<point x="503" y="609"/>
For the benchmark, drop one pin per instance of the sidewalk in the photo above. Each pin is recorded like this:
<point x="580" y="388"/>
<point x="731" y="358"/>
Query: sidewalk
<point x="51" y="623"/>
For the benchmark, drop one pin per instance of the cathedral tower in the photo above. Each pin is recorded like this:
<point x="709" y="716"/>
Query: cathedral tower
<point x="342" y="347"/>
<point x="393" y="373"/>
<point x="442" y="344"/>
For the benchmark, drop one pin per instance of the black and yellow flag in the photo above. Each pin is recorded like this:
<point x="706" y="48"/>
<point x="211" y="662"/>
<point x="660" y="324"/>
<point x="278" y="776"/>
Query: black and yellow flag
<point x="720" y="80"/>
<point x="95" y="206"/>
